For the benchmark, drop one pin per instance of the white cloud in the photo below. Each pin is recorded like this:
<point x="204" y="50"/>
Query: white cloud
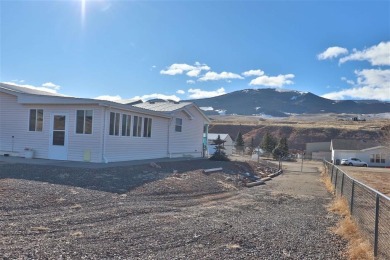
<point x="119" y="99"/>
<point x="377" y="55"/>
<point x="332" y="52"/>
<point x="211" y="75"/>
<point x="198" y="93"/>
<point x="250" y="73"/>
<point x="269" y="81"/>
<point x="48" y="87"/>
<point x="116" y="98"/>
<point x="180" y="91"/>
<point x="190" y="81"/>
<point x="370" y="84"/>
<point x="190" y="70"/>
<point x="51" y="85"/>
<point x="350" y="82"/>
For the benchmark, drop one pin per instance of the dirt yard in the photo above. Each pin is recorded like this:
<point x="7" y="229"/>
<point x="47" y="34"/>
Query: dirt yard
<point x="376" y="178"/>
<point x="149" y="212"/>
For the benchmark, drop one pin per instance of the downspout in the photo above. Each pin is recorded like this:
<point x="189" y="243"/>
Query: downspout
<point x="205" y="142"/>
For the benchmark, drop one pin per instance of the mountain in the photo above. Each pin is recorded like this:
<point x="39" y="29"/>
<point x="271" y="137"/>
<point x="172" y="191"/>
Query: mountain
<point x="280" y="103"/>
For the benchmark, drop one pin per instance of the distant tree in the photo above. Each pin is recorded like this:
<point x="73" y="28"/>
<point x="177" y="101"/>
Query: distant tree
<point x="252" y="146"/>
<point x="240" y="145"/>
<point x="219" y="154"/>
<point x="268" y="143"/>
<point x="281" y="150"/>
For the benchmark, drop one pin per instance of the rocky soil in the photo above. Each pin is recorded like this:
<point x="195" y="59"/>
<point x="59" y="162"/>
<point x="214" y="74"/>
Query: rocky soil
<point x="163" y="211"/>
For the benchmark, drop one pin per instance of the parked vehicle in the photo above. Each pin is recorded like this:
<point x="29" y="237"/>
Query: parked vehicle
<point x="353" y="162"/>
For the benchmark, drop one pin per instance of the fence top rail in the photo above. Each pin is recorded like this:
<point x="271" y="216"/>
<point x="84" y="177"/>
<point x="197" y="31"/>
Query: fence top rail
<point x="368" y="187"/>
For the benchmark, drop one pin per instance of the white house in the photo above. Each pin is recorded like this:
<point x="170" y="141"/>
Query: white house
<point x="374" y="154"/>
<point x="225" y="137"/>
<point x="78" y="129"/>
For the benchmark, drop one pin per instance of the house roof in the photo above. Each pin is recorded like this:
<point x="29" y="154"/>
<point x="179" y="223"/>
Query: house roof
<point x="32" y="96"/>
<point x="352" y="144"/>
<point x="166" y="106"/>
<point x="27" y="90"/>
<point x="215" y="136"/>
<point x="170" y="106"/>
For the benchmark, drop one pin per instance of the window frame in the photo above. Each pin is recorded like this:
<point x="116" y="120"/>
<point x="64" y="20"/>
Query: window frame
<point x="116" y="124"/>
<point x="178" y="127"/>
<point x="126" y="129"/>
<point x="84" y="121"/>
<point x="147" y="127"/>
<point x="137" y="126"/>
<point x="36" y="120"/>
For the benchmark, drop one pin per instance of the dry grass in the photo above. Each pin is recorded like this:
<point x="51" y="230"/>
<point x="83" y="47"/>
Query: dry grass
<point x="76" y="234"/>
<point x="327" y="182"/>
<point x="233" y="246"/>
<point x="40" y="229"/>
<point x="76" y="206"/>
<point x="358" y="248"/>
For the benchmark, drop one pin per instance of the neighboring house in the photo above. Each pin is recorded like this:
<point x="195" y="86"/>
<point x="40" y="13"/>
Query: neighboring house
<point x="371" y="152"/>
<point x="228" y="143"/>
<point x="80" y="129"/>
<point x="318" y="151"/>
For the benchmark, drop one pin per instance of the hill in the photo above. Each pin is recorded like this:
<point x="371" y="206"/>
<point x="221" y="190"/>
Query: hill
<point x="300" y="130"/>
<point x="278" y="103"/>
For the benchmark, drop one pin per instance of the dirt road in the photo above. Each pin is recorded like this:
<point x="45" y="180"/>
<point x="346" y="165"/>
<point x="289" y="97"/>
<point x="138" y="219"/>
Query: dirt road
<point x="188" y="215"/>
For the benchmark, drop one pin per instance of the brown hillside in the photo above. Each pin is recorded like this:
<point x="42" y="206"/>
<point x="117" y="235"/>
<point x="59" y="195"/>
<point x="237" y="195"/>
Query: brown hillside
<point x="297" y="135"/>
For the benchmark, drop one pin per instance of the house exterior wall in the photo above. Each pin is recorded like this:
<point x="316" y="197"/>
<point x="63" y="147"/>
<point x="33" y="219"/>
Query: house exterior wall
<point x="123" y="148"/>
<point x="342" y="154"/>
<point x="98" y="146"/>
<point x="189" y="142"/>
<point x="318" y="147"/>
<point x="364" y="155"/>
<point x="321" y="155"/>
<point x="14" y="118"/>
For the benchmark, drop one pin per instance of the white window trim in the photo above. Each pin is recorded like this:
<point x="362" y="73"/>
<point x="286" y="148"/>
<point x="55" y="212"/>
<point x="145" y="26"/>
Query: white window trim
<point x="36" y="113"/>
<point x="75" y="130"/>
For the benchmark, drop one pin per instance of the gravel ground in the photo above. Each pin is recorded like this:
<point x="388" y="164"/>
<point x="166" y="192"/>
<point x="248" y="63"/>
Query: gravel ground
<point x="146" y="212"/>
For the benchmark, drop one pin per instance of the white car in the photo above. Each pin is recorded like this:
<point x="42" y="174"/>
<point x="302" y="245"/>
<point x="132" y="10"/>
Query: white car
<point x="353" y="162"/>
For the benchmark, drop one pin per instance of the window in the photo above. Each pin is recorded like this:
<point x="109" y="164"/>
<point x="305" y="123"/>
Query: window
<point x="147" y="127"/>
<point x="84" y="122"/>
<point x="179" y="125"/>
<point x="36" y="120"/>
<point x="377" y="158"/>
<point x="137" y="126"/>
<point x="126" y="124"/>
<point x="114" y="123"/>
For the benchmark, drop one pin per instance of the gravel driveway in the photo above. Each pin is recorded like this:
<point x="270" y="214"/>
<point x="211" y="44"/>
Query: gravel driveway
<point x="63" y="213"/>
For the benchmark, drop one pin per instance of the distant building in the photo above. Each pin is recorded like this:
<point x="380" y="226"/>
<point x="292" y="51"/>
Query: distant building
<point x="228" y="143"/>
<point x="371" y="152"/>
<point x="318" y="151"/>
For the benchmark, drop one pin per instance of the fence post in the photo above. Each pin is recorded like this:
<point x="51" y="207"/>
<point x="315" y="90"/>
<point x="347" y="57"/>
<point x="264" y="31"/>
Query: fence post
<point x="342" y="184"/>
<point x="376" y="226"/>
<point x="335" y="181"/>
<point x="331" y="177"/>
<point x="352" y="195"/>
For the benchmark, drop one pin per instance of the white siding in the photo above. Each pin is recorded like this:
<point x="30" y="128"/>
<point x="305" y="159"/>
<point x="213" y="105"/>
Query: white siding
<point x="14" y="119"/>
<point x="189" y="142"/>
<point x="122" y="148"/>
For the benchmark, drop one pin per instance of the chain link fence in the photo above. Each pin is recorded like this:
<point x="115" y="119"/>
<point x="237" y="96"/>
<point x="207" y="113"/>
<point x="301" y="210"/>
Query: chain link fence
<point x="369" y="208"/>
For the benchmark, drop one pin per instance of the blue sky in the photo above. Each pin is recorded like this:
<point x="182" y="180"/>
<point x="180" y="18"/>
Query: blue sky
<point x="192" y="49"/>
